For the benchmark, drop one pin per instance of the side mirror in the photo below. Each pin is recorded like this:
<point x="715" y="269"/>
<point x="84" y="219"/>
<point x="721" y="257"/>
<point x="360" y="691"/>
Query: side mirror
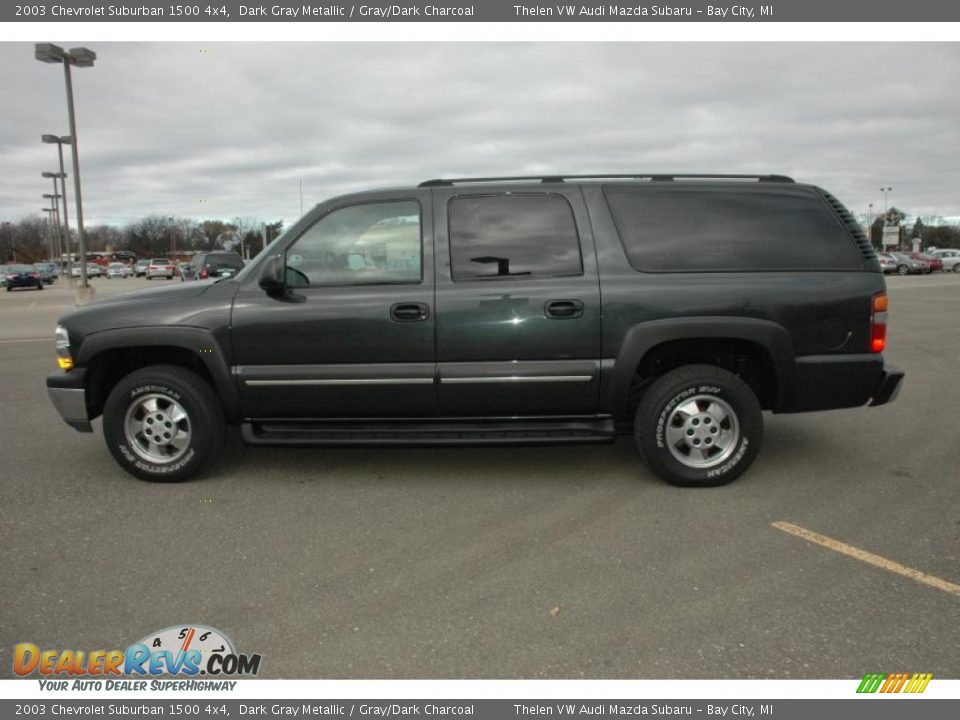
<point x="272" y="274"/>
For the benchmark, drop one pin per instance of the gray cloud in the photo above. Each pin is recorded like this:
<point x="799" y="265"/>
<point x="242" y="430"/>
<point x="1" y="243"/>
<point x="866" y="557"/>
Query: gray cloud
<point x="229" y="129"/>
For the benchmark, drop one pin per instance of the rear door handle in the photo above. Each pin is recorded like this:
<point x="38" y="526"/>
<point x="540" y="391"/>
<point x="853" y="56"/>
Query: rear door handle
<point x="409" y="312"/>
<point x="564" y="309"/>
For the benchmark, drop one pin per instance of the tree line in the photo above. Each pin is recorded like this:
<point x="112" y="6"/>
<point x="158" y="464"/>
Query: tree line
<point x="29" y="239"/>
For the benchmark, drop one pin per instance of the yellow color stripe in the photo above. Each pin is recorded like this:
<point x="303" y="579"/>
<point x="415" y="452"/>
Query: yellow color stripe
<point x="869" y="558"/>
<point x="912" y="685"/>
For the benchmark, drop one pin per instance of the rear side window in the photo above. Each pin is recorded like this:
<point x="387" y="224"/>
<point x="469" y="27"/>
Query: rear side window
<point x="688" y="230"/>
<point x="515" y="235"/>
<point x="224" y="260"/>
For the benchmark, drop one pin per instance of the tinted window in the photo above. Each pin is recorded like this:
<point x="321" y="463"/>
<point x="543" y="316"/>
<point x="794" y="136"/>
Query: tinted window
<point x="224" y="260"/>
<point x="497" y="236"/>
<point x="360" y="244"/>
<point x="683" y="229"/>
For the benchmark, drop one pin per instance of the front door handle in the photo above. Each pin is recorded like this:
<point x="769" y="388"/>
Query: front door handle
<point x="409" y="312"/>
<point x="564" y="309"/>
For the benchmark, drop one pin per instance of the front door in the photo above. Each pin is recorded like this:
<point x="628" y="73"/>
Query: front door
<point x="354" y="337"/>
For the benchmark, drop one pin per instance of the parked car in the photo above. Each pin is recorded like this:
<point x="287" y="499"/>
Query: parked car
<point x="933" y="263"/>
<point x="160" y="267"/>
<point x="887" y="263"/>
<point x="907" y="265"/>
<point x="140" y="269"/>
<point x="949" y="257"/>
<point x="118" y="270"/>
<point x="47" y="272"/>
<point x="22" y="276"/>
<point x="213" y="265"/>
<point x="506" y="310"/>
<point x="93" y="270"/>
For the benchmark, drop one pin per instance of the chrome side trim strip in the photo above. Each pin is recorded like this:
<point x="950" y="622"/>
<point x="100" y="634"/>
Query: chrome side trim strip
<point x="515" y="378"/>
<point x="345" y="381"/>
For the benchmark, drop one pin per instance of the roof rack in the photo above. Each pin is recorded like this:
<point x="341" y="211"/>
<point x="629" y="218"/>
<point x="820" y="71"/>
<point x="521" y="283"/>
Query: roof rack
<point x="443" y="182"/>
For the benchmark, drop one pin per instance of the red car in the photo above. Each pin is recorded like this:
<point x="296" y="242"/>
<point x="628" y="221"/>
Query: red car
<point x="934" y="262"/>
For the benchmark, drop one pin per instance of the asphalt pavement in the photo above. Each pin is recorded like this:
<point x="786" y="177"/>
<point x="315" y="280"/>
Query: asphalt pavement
<point x="517" y="562"/>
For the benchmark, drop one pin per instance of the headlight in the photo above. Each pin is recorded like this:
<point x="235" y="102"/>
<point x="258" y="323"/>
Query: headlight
<point x="63" y="348"/>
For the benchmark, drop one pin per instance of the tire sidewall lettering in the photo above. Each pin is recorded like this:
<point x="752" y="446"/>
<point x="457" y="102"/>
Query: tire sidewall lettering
<point x="728" y="465"/>
<point x="665" y="413"/>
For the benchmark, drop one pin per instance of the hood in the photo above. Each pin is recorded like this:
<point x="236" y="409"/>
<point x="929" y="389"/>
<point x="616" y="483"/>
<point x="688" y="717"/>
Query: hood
<point x="156" y="294"/>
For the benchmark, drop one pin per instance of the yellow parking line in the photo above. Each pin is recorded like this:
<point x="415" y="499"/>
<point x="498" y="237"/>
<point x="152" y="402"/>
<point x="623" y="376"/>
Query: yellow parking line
<point x="868" y="557"/>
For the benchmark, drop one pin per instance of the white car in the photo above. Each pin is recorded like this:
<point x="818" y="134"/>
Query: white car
<point x="117" y="270"/>
<point x="160" y="267"/>
<point x="93" y="270"/>
<point x="950" y="257"/>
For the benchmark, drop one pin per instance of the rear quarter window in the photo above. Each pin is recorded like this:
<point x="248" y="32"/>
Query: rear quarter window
<point x="678" y="229"/>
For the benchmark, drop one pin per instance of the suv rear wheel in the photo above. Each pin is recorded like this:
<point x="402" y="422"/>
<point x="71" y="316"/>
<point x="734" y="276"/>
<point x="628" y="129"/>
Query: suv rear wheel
<point x="164" y="423"/>
<point x="699" y="426"/>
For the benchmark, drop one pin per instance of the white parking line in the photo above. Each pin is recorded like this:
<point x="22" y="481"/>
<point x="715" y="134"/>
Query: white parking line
<point x="23" y="340"/>
<point x="868" y="557"/>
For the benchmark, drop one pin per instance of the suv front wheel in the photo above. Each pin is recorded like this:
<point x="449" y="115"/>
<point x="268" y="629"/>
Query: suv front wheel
<point x="164" y="424"/>
<point x="699" y="426"/>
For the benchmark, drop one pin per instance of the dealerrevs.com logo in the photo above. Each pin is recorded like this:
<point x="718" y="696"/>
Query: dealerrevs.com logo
<point x="178" y="651"/>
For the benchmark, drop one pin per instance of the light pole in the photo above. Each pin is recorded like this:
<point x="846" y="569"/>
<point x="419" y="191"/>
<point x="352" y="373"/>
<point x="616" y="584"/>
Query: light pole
<point x="51" y="229"/>
<point x="81" y="57"/>
<point x="61" y="141"/>
<point x="61" y="176"/>
<point x="55" y="217"/>
<point x="886" y="190"/>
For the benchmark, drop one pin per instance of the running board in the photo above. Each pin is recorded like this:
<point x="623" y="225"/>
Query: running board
<point x="429" y="433"/>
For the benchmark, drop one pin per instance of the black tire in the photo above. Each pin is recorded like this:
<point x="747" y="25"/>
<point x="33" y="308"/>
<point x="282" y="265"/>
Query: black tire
<point x="702" y="385"/>
<point x="170" y="386"/>
<point x="956" y="267"/>
<point x="40" y="286"/>
<point x="903" y="270"/>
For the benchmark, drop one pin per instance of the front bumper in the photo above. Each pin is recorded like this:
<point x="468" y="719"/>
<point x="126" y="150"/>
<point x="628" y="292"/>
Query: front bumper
<point x="69" y="396"/>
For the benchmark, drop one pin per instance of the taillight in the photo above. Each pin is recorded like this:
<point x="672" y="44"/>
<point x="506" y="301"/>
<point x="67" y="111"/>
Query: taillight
<point x="34" y="276"/>
<point x="878" y="323"/>
<point x="203" y="273"/>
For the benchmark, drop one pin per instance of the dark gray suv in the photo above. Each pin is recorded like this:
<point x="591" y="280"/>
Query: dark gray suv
<point x="207" y="265"/>
<point x="501" y="310"/>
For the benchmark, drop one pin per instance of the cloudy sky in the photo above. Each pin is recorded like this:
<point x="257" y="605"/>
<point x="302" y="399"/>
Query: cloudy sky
<point x="230" y="129"/>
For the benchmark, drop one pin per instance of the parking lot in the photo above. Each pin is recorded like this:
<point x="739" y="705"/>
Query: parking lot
<point x="502" y="562"/>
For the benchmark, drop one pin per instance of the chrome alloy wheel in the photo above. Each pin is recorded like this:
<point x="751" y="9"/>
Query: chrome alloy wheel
<point x="702" y="431"/>
<point x="157" y="428"/>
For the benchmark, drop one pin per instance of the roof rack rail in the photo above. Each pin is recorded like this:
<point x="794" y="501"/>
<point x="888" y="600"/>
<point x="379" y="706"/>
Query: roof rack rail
<point x="444" y="182"/>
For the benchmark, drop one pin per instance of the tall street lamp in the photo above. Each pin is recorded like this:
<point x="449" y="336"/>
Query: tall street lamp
<point x="58" y="229"/>
<point x="60" y="142"/>
<point x="61" y="177"/>
<point x="80" y="57"/>
<point x="51" y="229"/>
<point x="886" y="208"/>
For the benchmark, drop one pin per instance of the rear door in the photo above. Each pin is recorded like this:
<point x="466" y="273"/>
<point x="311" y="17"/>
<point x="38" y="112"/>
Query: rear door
<point x="518" y="303"/>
